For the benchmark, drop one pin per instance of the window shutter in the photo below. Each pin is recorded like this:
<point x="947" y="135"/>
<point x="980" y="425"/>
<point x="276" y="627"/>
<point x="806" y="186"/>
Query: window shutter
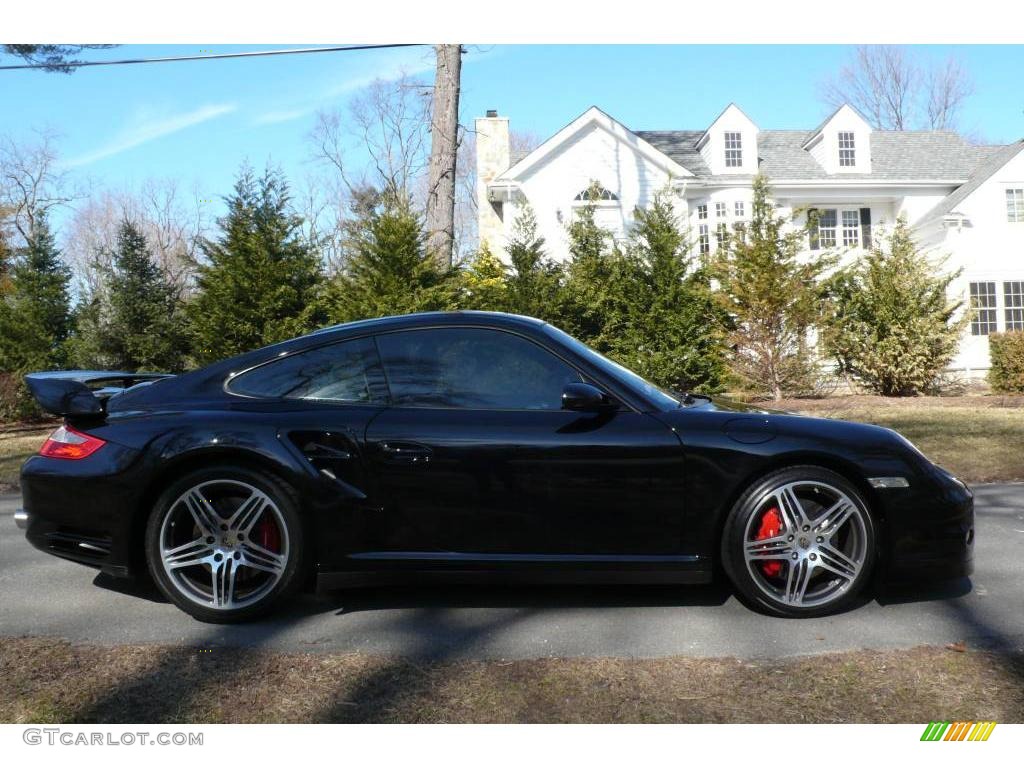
<point x="865" y="227"/>
<point x="812" y="229"/>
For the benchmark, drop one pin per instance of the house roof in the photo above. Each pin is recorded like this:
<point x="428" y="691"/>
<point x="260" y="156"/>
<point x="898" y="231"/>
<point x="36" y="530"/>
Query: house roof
<point x="895" y="155"/>
<point x="594" y="116"/>
<point x="985" y="170"/>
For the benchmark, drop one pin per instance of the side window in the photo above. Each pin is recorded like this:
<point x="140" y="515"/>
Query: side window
<point x="347" y="372"/>
<point x="472" y="368"/>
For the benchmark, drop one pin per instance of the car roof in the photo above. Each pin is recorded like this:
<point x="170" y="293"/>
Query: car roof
<point x="427" y="318"/>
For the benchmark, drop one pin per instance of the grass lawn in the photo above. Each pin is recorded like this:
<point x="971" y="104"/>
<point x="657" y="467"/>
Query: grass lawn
<point x="47" y="680"/>
<point x="17" y="443"/>
<point x="977" y="438"/>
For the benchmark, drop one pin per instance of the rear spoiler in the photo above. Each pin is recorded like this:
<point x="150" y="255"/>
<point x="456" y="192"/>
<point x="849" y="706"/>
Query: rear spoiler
<point x="83" y="393"/>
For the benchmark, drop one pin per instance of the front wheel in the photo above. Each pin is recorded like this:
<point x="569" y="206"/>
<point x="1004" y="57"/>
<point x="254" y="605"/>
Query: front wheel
<point x="800" y="542"/>
<point x="224" y="544"/>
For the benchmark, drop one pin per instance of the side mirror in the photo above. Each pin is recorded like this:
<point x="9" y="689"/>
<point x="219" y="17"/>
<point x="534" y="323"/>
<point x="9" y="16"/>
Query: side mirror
<point x="578" y="396"/>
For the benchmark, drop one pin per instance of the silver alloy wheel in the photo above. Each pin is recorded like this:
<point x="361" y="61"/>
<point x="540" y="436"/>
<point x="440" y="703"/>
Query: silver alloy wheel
<point x="821" y="546"/>
<point x="207" y="548"/>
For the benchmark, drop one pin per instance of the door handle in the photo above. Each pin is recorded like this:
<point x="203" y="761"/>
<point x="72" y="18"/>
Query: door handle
<point x="405" y="453"/>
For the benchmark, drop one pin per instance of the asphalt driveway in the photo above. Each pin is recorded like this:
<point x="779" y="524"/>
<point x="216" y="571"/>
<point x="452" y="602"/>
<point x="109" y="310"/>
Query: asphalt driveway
<point x="42" y="595"/>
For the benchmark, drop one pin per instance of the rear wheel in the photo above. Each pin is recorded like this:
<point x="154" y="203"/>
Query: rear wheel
<point x="800" y="542"/>
<point x="225" y="544"/>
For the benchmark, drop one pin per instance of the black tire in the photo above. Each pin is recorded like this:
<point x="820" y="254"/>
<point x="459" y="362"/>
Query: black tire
<point x="754" y="588"/>
<point x="289" y="577"/>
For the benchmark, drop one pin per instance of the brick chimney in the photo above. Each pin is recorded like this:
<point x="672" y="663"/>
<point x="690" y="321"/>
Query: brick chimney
<point x="492" y="159"/>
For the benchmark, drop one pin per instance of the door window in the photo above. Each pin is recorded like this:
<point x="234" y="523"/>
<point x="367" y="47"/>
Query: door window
<point x="472" y="368"/>
<point x="347" y="372"/>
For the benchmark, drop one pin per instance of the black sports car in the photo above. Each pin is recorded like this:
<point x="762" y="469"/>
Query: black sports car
<point x="465" y="445"/>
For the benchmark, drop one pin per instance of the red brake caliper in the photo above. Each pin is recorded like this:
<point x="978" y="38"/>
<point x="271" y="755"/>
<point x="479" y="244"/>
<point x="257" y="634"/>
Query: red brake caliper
<point x="771" y="524"/>
<point x="267" y="534"/>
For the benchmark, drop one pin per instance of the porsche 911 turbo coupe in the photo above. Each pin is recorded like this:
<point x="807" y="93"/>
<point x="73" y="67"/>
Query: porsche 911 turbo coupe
<point x="471" y="445"/>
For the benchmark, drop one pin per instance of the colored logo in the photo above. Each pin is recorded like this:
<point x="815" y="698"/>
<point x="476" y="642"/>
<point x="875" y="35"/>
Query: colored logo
<point x="958" y="731"/>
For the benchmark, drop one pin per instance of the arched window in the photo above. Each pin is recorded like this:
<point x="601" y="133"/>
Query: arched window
<point x="595" y="193"/>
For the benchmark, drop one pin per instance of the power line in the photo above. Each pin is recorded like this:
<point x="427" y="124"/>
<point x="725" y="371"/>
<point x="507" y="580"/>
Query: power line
<point x="201" y="57"/>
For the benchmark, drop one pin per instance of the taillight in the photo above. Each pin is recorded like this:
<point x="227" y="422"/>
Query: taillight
<point x="68" y="443"/>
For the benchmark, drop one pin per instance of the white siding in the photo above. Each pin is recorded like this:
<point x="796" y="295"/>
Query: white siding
<point x="594" y="154"/>
<point x="990" y="248"/>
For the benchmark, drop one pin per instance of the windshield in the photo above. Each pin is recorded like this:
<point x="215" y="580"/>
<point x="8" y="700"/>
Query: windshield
<point x="662" y="398"/>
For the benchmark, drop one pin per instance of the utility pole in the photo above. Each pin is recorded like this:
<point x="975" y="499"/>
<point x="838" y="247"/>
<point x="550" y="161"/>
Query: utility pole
<point x="444" y="144"/>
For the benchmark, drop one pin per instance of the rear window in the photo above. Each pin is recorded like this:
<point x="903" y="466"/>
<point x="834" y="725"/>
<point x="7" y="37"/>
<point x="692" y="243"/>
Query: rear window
<point x="347" y="372"/>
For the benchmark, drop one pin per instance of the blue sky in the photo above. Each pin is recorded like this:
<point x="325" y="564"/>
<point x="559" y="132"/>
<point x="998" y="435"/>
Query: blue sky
<point x="198" y="121"/>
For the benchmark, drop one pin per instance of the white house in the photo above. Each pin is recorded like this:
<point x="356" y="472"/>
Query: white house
<point x="964" y="201"/>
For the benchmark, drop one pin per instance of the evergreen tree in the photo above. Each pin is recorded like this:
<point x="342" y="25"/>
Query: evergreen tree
<point x="773" y="297"/>
<point x="533" y="280"/>
<point x="261" y="280"/>
<point x="673" y="334"/>
<point x="387" y="268"/>
<point x="140" y="326"/>
<point x="592" y="303"/>
<point x="893" y="328"/>
<point x="484" y="283"/>
<point x="36" y="318"/>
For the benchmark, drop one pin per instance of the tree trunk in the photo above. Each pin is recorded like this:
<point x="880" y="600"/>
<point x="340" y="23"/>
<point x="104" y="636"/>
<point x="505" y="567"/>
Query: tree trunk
<point x="444" y="126"/>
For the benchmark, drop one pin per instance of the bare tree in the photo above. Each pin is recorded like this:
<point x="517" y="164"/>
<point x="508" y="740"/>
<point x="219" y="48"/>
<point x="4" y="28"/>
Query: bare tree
<point x="171" y="222"/>
<point x="949" y="85"/>
<point x="445" y="134"/>
<point x="897" y="90"/>
<point x="31" y="182"/>
<point x="380" y="139"/>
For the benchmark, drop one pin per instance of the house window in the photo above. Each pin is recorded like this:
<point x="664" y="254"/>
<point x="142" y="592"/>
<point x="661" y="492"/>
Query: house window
<point x="740" y="209"/>
<point x="595" y="194"/>
<point x="721" y="211"/>
<point x="983" y="307"/>
<point x="827" y="225"/>
<point x="827" y="228"/>
<point x="722" y="234"/>
<point x="851" y="228"/>
<point x="704" y="240"/>
<point x="1015" y="206"/>
<point x="702" y="211"/>
<point x="1013" y="305"/>
<point x="733" y="150"/>
<point x="847" y="150"/>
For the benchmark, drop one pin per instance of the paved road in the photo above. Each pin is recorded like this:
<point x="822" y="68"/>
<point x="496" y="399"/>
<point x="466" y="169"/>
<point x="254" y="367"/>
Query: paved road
<point x="42" y="595"/>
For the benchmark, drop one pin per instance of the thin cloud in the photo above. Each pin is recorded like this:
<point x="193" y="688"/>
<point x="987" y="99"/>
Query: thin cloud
<point x="151" y="128"/>
<point x="390" y="69"/>
<point x="280" y="116"/>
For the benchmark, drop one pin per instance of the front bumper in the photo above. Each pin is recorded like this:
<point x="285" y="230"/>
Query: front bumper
<point x="930" y="530"/>
<point x="21" y="518"/>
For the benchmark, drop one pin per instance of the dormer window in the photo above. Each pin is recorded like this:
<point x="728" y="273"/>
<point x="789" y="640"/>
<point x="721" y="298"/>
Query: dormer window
<point x="595" y="194"/>
<point x="733" y="149"/>
<point x="847" y="150"/>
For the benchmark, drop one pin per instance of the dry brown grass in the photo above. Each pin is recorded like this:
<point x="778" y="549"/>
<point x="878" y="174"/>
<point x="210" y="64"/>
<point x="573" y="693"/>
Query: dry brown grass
<point x="977" y="438"/>
<point x="46" y="680"/>
<point x="17" y="443"/>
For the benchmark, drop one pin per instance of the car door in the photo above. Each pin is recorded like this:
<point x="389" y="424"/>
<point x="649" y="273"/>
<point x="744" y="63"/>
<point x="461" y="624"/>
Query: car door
<point x="475" y="457"/>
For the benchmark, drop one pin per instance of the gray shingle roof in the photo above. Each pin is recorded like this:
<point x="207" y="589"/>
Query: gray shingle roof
<point x="988" y="166"/>
<point x="916" y="155"/>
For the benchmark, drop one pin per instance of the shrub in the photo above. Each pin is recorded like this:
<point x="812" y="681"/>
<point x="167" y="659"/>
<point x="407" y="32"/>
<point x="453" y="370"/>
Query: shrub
<point x="893" y="329"/>
<point x="1007" y="353"/>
